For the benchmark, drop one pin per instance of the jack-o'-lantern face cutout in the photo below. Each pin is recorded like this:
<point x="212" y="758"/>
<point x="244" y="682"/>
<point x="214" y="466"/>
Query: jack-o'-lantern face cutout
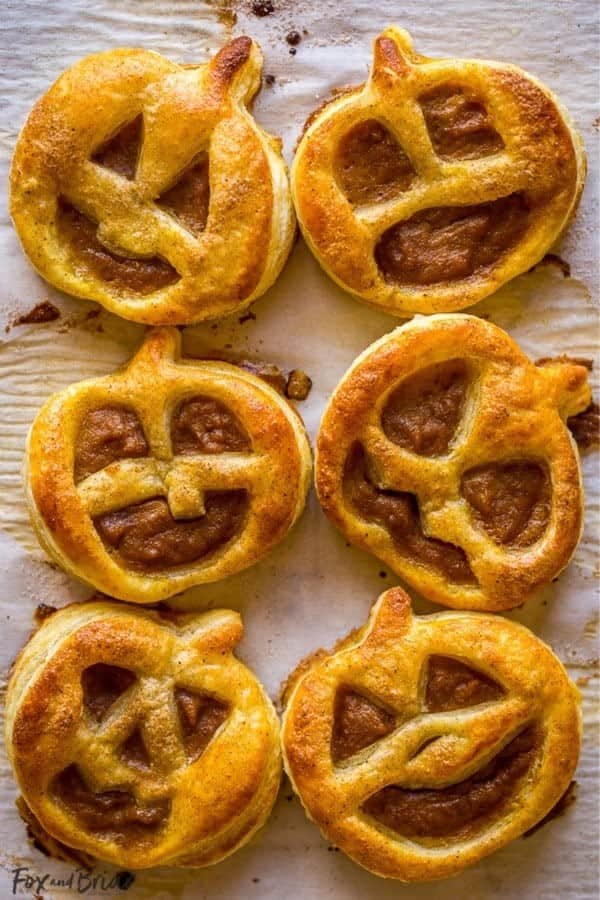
<point x="421" y="744"/>
<point x="444" y="451"/>
<point x="436" y="181"/>
<point x="148" y="186"/>
<point x="140" y="722"/>
<point x="167" y="474"/>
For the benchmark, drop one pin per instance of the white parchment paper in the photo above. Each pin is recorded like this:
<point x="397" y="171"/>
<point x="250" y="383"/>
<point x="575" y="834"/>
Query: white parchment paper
<point x="313" y="588"/>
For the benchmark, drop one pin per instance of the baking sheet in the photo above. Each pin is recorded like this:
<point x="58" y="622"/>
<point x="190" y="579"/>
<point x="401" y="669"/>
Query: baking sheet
<point x="313" y="588"/>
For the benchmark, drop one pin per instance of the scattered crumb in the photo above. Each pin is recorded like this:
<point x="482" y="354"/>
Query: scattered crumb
<point x="551" y="259"/>
<point x="256" y="880"/>
<point x="383" y="574"/>
<point x="248" y="316"/>
<point x="289" y="797"/>
<point x="298" y="385"/>
<point x="292" y="51"/>
<point x="262" y="8"/>
<point x="568" y="798"/>
<point x="596" y="124"/>
<point x="43" y="611"/>
<point x="270" y="80"/>
<point x="41" y="312"/>
<point x="584" y="680"/>
<point x="293" y="38"/>
<point x="93" y="313"/>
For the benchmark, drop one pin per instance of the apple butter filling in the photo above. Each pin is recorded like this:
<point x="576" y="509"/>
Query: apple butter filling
<point x="189" y="197"/>
<point x="459" y="809"/>
<point x="116" y="810"/>
<point x="147" y="536"/>
<point x="398" y="513"/>
<point x="511" y="501"/>
<point x="203" y="425"/>
<point x="446" y="244"/>
<point x="452" y="684"/>
<point x="106" y="435"/>
<point x="459" y="125"/>
<point x="200" y="716"/>
<point x="423" y="413"/>
<point x="102" y="685"/>
<point x="357" y="723"/>
<point x="371" y="166"/>
<point x="139" y="275"/>
<point x="121" y="151"/>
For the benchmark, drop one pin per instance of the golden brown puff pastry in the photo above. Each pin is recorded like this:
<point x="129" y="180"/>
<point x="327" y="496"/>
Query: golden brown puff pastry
<point x="166" y="474"/>
<point x="141" y="740"/>
<point x="421" y="744"/>
<point x="444" y="452"/>
<point x="436" y="181"/>
<point x="149" y="187"/>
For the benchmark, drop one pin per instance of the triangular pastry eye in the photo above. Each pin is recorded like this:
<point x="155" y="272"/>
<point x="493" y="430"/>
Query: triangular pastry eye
<point x="358" y="722"/>
<point x="133" y="751"/>
<point x="121" y="152"/>
<point x="188" y="199"/>
<point x="510" y="501"/>
<point x="371" y="165"/>
<point x="199" y="716"/>
<point x="102" y="686"/>
<point x="451" y="684"/>
<point x="458" y="123"/>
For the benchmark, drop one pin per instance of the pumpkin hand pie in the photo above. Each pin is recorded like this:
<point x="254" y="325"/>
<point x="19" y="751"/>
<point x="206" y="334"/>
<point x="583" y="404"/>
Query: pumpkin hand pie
<point x="167" y="474"/>
<point x="123" y="729"/>
<point x="421" y="744"/>
<point x="436" y="181"/>
<point x="444" y="452"/>
<point x="148" y="186"/>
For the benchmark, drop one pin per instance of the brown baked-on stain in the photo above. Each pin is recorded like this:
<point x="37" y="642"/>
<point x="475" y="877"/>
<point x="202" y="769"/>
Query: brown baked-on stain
<point x="147" y="537"/>
<point x="107" y="434"/>
<point x="121" y="151"/>
<point x="585" y="427"/>
<point x="204" y="425"/>
<point x="568" y="798"/>
<point x="107" y="811"/>
<point x="460" y="809"/>
<point x="511" y="501"/>
<point x="40" y="314"/>
<point x="452" y="684"/>
<point x="424" y="411"/>
<point x="371" y="166"/>
<point x="398" y="513"/>
<point x="200" y="716"/>
<point x="102" y="685"/>
<point x="451" y="243"/>
<point x="42" y="612"/>
<point x="140" y="275"/>
<point x="458" y="123"/>
<point x="298" y="385"/>
<point x="358" y="722"/>
<point x="553" y="259"/>
<point x="188" y="199"/>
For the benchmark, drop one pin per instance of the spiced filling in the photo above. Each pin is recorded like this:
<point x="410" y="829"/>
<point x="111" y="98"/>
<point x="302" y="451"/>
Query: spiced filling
<point x="371" y="166"/>
<point x="452" y="684"/>
<point x="106" y="435"/>
<point x="458" y="124"/>
<point x="358" y="722"/>
<point x="204" y="425"/>
<point x="200" y="716"/>
<point x="188" y="199"/>
<point x="121" y="151"/>
<point x="102" y="685"/>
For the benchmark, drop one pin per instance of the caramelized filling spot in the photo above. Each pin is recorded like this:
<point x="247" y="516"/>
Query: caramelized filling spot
<point x="189" y="197"/>
<point x="102" y="685"/>
<point x="398" y="513"/>
<point x="133" y="751"/>
<point x="109" y="810"/>
<point x="148" y="537"/>
<point x="106" y="435"/>
<point x="511" y="501"/>
<point x="120" y="152"/>
<point x="453" y="685"/>
<point x="458" y="810"/>
<point x="445" y="244"/>
<point x="357" y="723"/>
<point x="200" y="717"/>
<point x="424" y="411"/>
<point x="92" y="259"/>
<point x="203" y="425"/>
<point x="370" y="164"/>
<point x="459" y="125"/>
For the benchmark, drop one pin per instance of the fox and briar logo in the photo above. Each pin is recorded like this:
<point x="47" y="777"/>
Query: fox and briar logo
<point x="80" y="881"/>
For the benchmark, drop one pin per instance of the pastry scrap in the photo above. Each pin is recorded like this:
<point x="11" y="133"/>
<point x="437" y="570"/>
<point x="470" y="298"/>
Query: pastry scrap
<point x="167" y="474"/>
<point x="444" y="452"/>
<point x="436" y="181"/>
<point x="149" y="187"/>
<point x="421" y="744"/>
<point x="124" y="730"/>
